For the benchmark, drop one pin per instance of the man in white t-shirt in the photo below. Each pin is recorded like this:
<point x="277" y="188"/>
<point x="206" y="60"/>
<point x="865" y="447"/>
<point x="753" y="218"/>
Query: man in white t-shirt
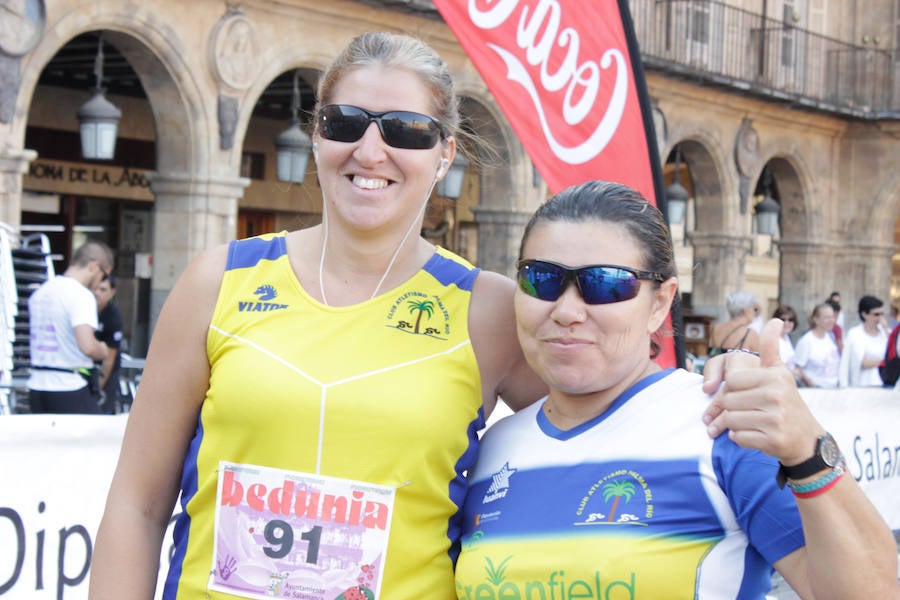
<point x="62" y="319"/>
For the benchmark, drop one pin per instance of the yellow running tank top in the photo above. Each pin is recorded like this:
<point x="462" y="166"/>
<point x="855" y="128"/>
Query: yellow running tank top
<point x="386" y="391"/>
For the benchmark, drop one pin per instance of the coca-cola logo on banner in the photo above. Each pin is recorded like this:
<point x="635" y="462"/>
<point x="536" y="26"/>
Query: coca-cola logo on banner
<point x="567" y="75"/>
<point x="589" y="94"/>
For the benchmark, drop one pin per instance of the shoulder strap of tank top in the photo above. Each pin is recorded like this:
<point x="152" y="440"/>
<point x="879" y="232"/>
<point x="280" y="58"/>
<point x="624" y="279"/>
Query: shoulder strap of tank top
<point x="730" y="333"/>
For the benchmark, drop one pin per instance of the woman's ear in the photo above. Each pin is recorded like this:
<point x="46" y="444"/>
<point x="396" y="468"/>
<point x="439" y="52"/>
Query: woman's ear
<point x="448" y="152"/>
<point x="663" y="296"/>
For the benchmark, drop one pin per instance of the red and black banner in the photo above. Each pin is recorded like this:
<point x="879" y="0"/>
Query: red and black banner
<point x="568" y="76"/>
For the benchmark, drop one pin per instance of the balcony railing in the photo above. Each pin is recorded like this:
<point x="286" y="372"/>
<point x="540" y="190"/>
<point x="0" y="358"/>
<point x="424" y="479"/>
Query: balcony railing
<point x="720" y="44"/>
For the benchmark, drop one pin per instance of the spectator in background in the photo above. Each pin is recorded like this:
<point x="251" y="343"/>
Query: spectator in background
<point x="785" y="346"/>
<point x="835" y="297"/>
<point x="758" y="322"/>
<point x="742" y="308"/>
<point x="62" y="315"/>
<point x="837" y="332"/>
<point x="864" y="346"/>
<point x="889" y="368"/>
<point x="817" y="359"/>
<point x="110" y="333"/>
<point x="892" y="318"/>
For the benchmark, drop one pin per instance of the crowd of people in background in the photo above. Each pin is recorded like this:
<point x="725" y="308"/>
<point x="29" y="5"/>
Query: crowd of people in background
<point x="825" y="353"/>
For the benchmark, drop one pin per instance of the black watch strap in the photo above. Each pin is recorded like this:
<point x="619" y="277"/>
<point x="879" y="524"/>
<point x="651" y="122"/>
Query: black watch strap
<point x="826" y="455"/>
<point x="808" y="467"/>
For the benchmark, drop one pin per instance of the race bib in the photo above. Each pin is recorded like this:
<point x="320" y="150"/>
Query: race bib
<point x="285" y="534"/>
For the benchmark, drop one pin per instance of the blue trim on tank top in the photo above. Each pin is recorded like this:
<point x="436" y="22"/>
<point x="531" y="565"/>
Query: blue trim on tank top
<point x="459" y="484"/>
<point x="248" y="252"/>
<point x="181" y="531"/>
<point x="449" y="272"/>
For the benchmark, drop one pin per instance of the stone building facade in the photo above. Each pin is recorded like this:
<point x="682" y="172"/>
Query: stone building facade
<point x="195" y="160"/>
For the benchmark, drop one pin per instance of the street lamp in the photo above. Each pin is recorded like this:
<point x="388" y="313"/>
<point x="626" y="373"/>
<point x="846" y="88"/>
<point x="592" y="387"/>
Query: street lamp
<point x="676" y="195"/>
<point x="98" y="118"/>
<point x="451" y="185"/>
<point x="767" y="209"/>
<point x="767" y="215"/>
<point x="292" y="145"/>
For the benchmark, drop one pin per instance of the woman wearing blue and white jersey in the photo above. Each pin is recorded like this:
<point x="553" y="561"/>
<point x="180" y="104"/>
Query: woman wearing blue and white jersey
<point x="620" y="483"/>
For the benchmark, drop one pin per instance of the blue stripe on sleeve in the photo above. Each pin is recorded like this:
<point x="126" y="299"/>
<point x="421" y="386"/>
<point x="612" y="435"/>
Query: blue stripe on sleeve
<point x="450" y="272"/>
<point x="247" y="253"/>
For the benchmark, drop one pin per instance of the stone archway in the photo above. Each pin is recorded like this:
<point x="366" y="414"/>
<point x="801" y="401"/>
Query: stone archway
<point x="503" y="206"/>
<point x="265" y="114"/>
<point x="718" y="252"/>
<point x="799" y="248"/>
<point x="195" y="195"/>
<point x="887" y="216"/>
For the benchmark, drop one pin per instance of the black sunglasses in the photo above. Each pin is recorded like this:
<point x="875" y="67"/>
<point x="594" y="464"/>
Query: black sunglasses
<point x="105" y="273"/>
<point x="597" y="284"/>
<point x="399" y="128"/>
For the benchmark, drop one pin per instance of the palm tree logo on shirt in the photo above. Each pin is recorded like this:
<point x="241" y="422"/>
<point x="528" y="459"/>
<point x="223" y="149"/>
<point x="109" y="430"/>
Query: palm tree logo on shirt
<point x="616" y="490"/>
<point x="415" y="313"/>
<point x="603" y="504"/>
<point x="422" y="307"/>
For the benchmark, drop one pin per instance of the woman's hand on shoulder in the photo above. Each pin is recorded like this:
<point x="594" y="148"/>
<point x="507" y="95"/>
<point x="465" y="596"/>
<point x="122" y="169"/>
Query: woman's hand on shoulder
<point x="492" y="328"/>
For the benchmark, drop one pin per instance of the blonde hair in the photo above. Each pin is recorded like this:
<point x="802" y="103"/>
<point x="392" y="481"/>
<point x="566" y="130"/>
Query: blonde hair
<point x="398" y="51"/>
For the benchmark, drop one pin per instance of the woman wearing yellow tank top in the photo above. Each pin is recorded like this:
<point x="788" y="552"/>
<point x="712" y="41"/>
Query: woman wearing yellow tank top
<point x="386" y="130"/>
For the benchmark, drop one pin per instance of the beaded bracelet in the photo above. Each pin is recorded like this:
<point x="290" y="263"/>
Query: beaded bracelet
<point x="817" y="487"/>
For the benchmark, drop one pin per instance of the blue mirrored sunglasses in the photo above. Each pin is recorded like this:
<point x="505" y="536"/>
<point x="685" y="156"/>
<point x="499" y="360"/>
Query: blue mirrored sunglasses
<point x="597" y="284"/>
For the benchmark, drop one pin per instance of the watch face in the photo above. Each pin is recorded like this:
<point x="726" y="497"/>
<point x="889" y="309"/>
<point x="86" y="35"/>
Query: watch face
<point x="829" y="450"/>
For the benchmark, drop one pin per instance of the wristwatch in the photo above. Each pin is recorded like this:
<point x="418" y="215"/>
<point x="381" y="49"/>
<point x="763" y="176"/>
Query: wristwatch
<point x="828" y="456"/>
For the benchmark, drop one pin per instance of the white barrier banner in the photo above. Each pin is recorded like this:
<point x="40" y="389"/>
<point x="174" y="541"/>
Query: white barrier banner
<point x="866" y="424"/>
<point x="55" y="472"/>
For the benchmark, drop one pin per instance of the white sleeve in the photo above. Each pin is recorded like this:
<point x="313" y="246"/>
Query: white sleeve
<point x="845" y="368"/>
<point x="801" y="352"/>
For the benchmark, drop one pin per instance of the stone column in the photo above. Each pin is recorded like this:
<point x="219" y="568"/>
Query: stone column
<point x="854" y="267"/>
<point x="808" y="274"/>
<point x="719" y="261"/>
<point x="191" y="213"/>
<point x="499" y="234"/>
<point x="13" y="164"/>
<point x="868" y="263"/>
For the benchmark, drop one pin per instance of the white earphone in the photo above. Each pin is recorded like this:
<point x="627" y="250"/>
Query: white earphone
<point x="316" y="150"/>
<point x="442" y="168"/>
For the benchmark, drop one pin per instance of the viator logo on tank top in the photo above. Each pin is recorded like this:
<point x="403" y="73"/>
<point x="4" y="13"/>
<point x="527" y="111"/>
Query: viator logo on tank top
<point x="263" y="303"/>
